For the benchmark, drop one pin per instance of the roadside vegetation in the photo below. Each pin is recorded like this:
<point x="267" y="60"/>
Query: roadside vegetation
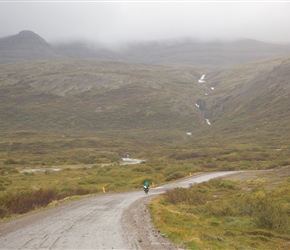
<point x="250" y="211"/>
<point x="88" y="165"/>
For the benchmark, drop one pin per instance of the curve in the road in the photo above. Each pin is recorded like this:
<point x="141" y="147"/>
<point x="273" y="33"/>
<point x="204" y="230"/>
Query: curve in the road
<point x="109" y="221"/>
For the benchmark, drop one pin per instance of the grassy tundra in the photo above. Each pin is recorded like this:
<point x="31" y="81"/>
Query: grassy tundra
<point x="250" y="211"/>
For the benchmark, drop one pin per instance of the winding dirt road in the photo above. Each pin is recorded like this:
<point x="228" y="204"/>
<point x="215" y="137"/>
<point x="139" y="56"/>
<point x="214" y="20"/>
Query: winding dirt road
<point x="108" y="221"/>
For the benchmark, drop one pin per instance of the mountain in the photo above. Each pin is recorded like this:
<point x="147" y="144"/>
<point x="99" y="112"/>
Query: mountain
<point x="85" y="50"/>
<point x="26" y="45"/>
<point x="211" y="54"/>
<point x="251" y="98"/>
<point x="89" y="97"/>
<point x="110" y="93"/>
<point x="180" y="53"/>
<point x="85" y="95"/>
<point x="185" y="52"/>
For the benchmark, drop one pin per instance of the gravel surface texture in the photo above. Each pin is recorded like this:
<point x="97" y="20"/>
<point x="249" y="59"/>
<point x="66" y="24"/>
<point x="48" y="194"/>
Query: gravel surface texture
<point x="107" y="221"/>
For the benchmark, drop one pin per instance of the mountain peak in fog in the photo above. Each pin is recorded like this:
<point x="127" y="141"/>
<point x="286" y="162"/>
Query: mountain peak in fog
<point x="25" y="45"/>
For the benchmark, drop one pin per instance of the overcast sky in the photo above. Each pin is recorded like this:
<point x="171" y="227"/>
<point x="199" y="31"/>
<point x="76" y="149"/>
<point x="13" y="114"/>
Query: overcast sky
<point x="115" y="21"/>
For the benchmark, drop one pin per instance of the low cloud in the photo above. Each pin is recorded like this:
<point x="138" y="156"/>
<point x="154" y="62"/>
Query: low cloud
<point x="119" y="22"/>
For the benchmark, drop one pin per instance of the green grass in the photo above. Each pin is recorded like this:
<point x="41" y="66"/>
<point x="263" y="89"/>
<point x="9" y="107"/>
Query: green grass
<point x="226" y="214"/>
<point x="22" y="192"/>
<point x="90" y="163"/>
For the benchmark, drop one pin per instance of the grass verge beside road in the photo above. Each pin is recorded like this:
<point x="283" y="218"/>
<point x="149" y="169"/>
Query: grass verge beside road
<point x="250" y="211"/>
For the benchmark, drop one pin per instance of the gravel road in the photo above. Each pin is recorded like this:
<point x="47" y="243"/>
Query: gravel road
<point x="107" y="221"/>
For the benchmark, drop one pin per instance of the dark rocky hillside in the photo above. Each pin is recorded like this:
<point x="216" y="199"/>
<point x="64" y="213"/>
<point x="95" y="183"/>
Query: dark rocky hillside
<point x="26" y="45"/>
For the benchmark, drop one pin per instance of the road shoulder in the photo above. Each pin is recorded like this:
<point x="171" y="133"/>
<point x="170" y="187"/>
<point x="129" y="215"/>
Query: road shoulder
<point x="138" y="230"/>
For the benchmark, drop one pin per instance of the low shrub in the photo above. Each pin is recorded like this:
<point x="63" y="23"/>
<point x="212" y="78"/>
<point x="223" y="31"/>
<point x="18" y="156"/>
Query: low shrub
<point x="175" y="176"/>
<point x="81" y="191"/>
<point x="271" y="215"/>
<point x="22" y="202"/>
<point x="185" y="196"/>
<point x="210" y="165"/>
<point x="221" y="208"/>
<point x="143" y="169"/>
<point x="10" y="162"/>
<point x="25" y="201"/>
<point x="224" y="184"/>
<point x="3" y="211"/>
<point x="7" y="170"/>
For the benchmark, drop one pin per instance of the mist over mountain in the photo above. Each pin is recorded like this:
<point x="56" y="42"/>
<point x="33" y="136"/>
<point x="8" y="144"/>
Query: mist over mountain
<point x="184" y="52"/>
<point x="86" y="50"/>
<point x="85" y="88"/>
<point x="25" y="45"/>
<point x="193" y="53"/>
